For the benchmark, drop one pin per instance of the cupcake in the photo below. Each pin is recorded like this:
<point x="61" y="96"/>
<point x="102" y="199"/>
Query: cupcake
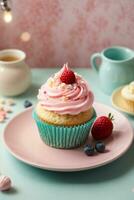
<point x="64" y="113"/>
<point x="127" y="93"/>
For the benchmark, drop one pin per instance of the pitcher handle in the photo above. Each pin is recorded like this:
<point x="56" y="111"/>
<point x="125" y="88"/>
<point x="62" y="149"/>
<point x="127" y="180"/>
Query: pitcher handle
<point x="94" y="65"/>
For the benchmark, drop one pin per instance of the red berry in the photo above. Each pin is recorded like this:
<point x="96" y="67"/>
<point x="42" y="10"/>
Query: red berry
<point x="102" y="128"/>
<point x="67" y="76"/>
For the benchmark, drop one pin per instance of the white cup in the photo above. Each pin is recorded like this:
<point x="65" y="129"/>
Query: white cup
<point x="15" y="75"/>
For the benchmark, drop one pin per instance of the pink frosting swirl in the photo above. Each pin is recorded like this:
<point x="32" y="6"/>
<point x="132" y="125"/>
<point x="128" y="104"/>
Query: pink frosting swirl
<point x="65" y="98"/>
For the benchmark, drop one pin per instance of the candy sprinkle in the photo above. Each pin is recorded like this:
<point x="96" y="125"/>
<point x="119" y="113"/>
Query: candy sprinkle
<point x="10" y="102"/>
<point x="3" y="113"/>
<point x="27" y="104"/>
<point x="2" y="118"/>
<point x="1" y="107"/>
<point x="8" y="110"/>
<point x="2" y="101"/>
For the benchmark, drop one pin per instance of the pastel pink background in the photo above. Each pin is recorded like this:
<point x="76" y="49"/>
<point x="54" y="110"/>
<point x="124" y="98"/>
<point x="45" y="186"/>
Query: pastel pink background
<point x="67" y="30"/>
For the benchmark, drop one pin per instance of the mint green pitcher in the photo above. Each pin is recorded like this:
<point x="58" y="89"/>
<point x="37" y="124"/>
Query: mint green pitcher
<point x="116" y="67"/>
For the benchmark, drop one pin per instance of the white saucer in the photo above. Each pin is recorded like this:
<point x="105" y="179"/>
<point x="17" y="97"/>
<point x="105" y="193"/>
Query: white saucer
<point x="116" y="99"/>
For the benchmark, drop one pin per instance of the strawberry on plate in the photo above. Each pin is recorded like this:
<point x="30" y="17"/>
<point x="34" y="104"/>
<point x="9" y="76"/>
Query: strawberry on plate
<point x="102" y="127"/>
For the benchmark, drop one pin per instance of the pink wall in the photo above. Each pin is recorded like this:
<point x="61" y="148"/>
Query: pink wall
<point x="68" y="30"/>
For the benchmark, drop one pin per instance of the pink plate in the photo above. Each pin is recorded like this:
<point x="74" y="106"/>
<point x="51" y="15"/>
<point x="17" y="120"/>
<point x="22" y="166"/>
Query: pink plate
<point x="22" y="140"/>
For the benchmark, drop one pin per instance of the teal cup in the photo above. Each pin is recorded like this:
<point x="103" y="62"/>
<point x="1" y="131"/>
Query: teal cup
<point x="114" y="66"/>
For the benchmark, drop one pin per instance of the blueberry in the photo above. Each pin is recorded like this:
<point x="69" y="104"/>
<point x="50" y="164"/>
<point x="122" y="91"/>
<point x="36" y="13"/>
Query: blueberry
<point x="89" y="150"/>
<point x="27" y="104"/>
<point x="100" y="147"/>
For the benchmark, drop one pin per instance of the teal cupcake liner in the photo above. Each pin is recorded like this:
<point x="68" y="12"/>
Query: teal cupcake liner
<point x="61" y="136"/>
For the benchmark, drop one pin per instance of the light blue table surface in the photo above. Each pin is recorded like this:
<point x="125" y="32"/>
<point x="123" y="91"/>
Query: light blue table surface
<point x="113" y="181"/>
